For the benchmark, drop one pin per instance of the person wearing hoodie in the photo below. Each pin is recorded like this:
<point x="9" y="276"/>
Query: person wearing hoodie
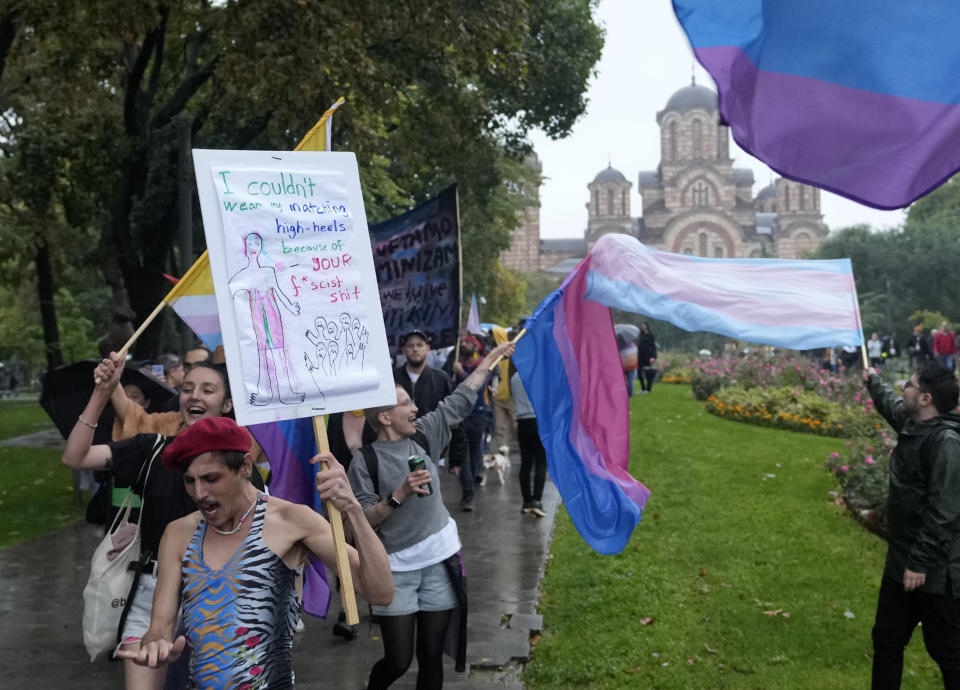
<point x="923" y="506"/>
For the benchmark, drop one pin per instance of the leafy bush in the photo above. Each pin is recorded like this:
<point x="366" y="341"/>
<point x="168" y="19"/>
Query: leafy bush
<point x="863" y="471"/>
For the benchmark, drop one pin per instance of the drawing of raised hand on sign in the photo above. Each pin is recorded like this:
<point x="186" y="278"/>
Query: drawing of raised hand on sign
<point x="257" y="283"/>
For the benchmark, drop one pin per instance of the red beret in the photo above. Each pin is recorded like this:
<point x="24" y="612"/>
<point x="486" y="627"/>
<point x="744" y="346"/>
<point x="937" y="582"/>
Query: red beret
<point x="203" y="436"/>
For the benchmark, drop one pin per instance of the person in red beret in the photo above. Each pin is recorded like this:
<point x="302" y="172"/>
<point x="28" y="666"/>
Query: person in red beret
<point x="236" y="560"/>
<point x="135" y="462"/>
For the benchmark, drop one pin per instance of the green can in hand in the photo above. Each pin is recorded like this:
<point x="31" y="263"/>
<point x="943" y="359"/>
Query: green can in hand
<point x="417" y="462"/>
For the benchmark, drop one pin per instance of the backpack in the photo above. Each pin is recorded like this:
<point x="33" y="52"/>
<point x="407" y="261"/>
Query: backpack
<point x="373" y="467"/>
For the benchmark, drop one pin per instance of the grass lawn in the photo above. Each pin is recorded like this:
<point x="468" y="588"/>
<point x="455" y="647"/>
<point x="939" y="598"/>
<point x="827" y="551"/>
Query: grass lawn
<point x="742" y="573"/>
<point x="36" y="490"/>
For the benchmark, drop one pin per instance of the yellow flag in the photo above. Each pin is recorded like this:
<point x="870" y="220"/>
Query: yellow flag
<point x="319" y="137"/>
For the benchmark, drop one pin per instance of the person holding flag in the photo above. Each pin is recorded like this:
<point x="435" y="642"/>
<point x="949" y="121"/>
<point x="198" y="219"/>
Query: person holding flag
<point x="132" y="462"/>
<point x="396" y="481"/>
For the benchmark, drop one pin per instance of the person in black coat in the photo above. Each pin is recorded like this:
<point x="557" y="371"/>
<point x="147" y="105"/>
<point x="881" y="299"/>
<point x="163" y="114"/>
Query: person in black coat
<point x="647" y="356"/>
<point x="424" y="384"/>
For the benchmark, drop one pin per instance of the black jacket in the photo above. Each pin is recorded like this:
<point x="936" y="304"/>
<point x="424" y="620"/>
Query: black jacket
<point x="646" y="348"/>
<point x="431" y="387"/>
<point x="924" y="502"/>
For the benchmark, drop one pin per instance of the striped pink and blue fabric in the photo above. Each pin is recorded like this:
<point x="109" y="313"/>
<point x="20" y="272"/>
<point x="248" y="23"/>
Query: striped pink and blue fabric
<point x="570" y="364"/>
<point x="859" y="97"/>
<point x="570" y="367"/>
<point x="799" y="304"/>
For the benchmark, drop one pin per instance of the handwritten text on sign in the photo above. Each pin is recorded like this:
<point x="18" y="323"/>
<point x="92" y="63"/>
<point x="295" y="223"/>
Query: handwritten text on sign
<point x="297" y="293"/>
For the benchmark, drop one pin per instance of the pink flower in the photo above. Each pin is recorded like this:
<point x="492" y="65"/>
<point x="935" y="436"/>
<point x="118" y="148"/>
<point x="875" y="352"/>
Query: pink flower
<point x="845" y="468"/>
<point x="834" y="455"/>
<point x="869" y="449"/>
<point x="868" y="460"/>
<point x="256" y="670"/>
<point x="252" y="641"/>
<point x="241" y="631"/>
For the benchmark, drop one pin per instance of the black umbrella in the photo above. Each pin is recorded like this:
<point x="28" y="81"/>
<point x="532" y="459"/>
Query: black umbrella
<point x="67" y="389"/>
<point x="626" y="333"/>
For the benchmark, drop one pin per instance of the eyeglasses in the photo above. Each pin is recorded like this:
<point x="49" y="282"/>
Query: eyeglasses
<point x="911" y="384"/>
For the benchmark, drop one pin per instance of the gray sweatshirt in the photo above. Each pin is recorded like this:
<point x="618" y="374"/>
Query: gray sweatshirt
<point x="419" y="516"/>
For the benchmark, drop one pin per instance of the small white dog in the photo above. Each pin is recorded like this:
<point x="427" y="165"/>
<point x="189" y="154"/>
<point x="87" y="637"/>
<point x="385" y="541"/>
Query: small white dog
<point x="497" y="462"/>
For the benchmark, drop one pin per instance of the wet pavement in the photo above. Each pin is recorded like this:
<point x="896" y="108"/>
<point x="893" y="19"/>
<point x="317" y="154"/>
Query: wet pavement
<point x="41" y="586"/>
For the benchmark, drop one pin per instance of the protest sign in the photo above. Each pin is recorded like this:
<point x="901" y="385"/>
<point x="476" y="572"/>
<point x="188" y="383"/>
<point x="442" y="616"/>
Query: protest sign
<point x="417" y="258"/>
<point x="295" y="284"/>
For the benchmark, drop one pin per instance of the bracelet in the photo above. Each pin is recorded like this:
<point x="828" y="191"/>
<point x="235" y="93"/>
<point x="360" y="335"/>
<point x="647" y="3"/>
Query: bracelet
<point x="85" y="422"/>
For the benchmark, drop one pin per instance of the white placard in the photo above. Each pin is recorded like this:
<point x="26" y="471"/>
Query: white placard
<point x="295" y="283"/>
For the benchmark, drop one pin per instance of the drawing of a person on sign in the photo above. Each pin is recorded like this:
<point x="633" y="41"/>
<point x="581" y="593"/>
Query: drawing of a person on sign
<point x="257" y="283"/>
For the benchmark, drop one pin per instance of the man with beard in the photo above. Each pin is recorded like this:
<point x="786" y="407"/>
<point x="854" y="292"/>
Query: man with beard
<point x="424" y="384"/>
<point x="923" y="555"/>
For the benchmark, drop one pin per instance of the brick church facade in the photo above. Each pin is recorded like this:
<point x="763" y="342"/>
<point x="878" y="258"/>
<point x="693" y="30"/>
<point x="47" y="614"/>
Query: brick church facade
<point x="695" y="202"/>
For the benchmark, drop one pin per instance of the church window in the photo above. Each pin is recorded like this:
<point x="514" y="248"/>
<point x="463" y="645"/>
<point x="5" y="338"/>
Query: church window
<point x="688" y="251"/>
<point x="803" y="198"/>
<point x="697" y="139"/>
<point x="700" y="194"/>
<point x="609" y="202"/>
<point x="596" y="202"/>
<point x="718" y="251"/>
<point x="702" y="242"/>
<point x="623" y="203"/>
<point x="673" y="141"/>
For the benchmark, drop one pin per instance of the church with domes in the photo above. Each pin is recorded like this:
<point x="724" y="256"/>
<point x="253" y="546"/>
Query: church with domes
<point x="695" y="202"/>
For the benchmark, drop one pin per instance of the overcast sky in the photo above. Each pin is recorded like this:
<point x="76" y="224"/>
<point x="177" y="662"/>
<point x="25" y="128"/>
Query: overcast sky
<point x="646" y="58"/>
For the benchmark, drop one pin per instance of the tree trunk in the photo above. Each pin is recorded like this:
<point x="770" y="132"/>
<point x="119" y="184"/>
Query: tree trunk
<point x="48" y="310"/>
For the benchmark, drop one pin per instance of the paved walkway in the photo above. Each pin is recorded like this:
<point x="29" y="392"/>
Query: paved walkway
<point x="41" y="585"/>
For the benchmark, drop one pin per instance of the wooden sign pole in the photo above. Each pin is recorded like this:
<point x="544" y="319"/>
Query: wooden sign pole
<point x="347" y="595"/>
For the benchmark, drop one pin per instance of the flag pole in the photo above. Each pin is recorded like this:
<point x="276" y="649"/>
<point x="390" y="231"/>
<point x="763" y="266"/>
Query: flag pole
<point x="856" y="307"/>
<point x="174" y="292"/>
<point x="347" y="596"/>
<point x="495" y="362"/>
<point x="456" y="350"/>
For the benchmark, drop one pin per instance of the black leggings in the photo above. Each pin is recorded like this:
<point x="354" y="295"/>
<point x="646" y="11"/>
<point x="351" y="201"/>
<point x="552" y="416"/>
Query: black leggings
<point x="398" y="646"/>
<point x="533" y="458"/>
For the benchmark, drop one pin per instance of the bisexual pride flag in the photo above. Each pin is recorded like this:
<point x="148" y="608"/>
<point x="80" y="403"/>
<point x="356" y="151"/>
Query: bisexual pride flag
<point x="570" y="365"/>
<point x="289" y="445"/>
<point x="860" y="97"/>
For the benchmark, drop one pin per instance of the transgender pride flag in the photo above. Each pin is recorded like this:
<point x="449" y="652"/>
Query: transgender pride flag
<point x="570" y="365"/>
<point x="860" y="97"/>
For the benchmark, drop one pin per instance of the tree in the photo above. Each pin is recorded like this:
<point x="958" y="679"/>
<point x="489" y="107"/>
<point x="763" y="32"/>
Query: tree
<point x="438" y="92"/>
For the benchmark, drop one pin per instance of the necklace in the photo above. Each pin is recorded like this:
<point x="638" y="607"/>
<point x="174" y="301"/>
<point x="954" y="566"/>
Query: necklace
<point x="239" y="524"/>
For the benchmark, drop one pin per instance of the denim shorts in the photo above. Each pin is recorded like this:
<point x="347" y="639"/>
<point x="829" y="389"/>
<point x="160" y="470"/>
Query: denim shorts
<point x="138" y="617"/>
<point x="426" y="589"/>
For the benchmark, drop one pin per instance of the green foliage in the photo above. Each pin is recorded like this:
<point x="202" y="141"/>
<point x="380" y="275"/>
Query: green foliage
<point x="927" y="319"/>
<point x="790" y="408"/>
<point x="97" y="96"/>
<point x="738" y="532"/>
<point x="36" y="490"/>
<point x="538" y="286"/>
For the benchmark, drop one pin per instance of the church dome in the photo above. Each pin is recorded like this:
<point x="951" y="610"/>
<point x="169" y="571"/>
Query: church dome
<point x="693" y="96"/>
<point x="609" y="174"/>
<point x="767" y="192"/>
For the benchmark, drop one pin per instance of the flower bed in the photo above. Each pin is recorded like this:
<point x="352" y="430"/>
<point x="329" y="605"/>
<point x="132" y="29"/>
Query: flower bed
<point x="790" y="408"/>
<point x="795" y="394"/>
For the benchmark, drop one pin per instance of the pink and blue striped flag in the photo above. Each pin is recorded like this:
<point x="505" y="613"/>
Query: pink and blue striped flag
<point x="473" y="318"/>
<point x="570" y="364"/>
<point x="799" y="304"/>
<point x="570" y="367"/>
<point x="859" y="97"/>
